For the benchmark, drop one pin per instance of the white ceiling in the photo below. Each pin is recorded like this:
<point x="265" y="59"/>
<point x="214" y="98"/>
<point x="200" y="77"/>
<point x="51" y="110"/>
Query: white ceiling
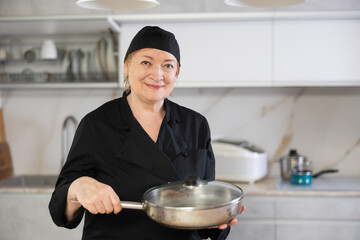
<point x="219" y="6"/>
<point x="61" y="7"/>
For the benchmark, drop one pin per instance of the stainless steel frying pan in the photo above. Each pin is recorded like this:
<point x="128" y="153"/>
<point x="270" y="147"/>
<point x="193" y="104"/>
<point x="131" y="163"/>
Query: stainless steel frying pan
<point x="190" y="204"/>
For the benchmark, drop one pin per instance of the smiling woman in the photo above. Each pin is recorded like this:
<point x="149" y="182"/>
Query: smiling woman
<point x="133" y="143"/>
<point x="152" y="75"/>
<point x="168" y="66"/>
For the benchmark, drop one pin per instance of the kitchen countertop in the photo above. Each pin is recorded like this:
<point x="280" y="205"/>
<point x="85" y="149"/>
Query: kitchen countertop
<point x="274" y="186"/>
<point x="270" y="186"/>
<point x="26" y="190"/>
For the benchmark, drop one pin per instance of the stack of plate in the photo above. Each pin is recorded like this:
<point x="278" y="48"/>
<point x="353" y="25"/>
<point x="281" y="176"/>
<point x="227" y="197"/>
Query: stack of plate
<point x="104" y="59"/>
<point x="96" y="65"/>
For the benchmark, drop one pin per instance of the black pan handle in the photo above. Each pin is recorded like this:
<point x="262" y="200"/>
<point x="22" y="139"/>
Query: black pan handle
<point x="325" y="171"/>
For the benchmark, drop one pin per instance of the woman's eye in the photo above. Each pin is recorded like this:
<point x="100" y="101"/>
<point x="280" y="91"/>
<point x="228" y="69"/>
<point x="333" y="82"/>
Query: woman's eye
<point x="170" y="66"/>
<point x="145" y="62"/>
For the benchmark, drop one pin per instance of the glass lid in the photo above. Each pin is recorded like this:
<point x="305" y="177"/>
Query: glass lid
<point x="193" y="193"/>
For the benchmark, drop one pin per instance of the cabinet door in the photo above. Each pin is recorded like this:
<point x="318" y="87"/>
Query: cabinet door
<point x="218" y="54"/>
<point x="319" y="217"/>
<point x="26" y="216"/>
<point x="317" y="53"/>
<point x="257" y="222"/>
<point x="318" y="208"/>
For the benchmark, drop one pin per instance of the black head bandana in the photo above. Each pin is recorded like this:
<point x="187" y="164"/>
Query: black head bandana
<point x="155" y="37"/>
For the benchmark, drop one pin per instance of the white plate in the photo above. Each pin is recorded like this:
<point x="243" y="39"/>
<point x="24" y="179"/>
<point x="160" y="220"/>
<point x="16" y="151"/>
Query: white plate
<point x="95" y="64"/>
<point x="97" y="61"/>
<point x="101" y="50"/>
<point x="66" y="63"/>
<point x="110" y="58"/>
<point x="85" y="66"/>
<point x="75" y="64"/>
<point x="89" y="66"/>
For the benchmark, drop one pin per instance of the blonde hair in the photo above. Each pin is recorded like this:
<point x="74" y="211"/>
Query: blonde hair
<point x="126" y="81"/>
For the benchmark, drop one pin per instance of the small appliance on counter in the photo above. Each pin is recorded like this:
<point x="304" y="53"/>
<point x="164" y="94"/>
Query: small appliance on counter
<point x="239" y="161"/>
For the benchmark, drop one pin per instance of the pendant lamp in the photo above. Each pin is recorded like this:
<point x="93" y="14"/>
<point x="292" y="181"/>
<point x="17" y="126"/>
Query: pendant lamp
<point x="263" y="3"/>
<point x="117" y="4"/>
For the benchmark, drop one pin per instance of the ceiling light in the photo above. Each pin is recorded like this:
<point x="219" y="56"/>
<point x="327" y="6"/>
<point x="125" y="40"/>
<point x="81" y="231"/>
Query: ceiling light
<point x="263" y="3"/>
<point x="117" y="4"/>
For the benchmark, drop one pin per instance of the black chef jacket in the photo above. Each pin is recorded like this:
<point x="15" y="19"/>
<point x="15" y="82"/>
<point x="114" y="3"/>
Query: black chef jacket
<point x="111" y="146"/>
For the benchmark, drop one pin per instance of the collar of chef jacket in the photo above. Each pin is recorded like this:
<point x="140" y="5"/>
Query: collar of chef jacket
<point x="141" y="150"/>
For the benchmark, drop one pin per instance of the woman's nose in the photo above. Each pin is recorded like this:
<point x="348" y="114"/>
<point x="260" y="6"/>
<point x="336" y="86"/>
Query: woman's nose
<point x="157" y="73"/>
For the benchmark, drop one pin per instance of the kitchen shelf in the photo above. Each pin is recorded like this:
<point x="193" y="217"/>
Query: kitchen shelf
<point x="34" y="61"/>
<point x="97" y="85"/>
<point x="58" y="80"/>
<point x="70" y="33"/>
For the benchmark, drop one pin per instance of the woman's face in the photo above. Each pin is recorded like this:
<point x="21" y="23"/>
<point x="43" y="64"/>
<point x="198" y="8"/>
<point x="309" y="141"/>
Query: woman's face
<point x="152" y="74"/>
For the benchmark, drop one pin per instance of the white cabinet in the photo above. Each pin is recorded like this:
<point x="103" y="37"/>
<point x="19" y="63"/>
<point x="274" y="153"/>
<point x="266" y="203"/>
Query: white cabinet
<point x="329" y="218"/>
<point x="258" y="220"/>
<point x="26" y="216"/>
<point x="284" y="49"/>
<point x="315" y="52"/>
<point x="217" y="54"/>
<point x="298" y="217"/>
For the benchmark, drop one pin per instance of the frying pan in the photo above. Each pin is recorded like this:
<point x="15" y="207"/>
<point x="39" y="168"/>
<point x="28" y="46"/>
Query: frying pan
<point x="190" y="204"/>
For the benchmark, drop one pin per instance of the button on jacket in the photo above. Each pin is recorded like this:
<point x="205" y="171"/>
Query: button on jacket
<point x="112" y="147"/>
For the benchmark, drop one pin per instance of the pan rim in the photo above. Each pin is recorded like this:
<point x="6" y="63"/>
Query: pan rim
<point x="232" y="202"/>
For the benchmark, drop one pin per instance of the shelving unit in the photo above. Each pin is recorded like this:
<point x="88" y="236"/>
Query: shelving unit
<point x="82" y="62"/>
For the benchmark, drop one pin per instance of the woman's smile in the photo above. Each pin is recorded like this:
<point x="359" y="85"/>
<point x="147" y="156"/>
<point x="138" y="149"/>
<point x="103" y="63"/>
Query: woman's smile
<point x="154" y="87"/>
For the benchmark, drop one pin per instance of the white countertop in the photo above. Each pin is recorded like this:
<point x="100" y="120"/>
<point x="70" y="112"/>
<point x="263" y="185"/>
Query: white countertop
<point x="337" y="187"/>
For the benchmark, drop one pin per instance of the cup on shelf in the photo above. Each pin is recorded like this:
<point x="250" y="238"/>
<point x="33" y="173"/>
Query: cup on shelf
<point x="15" y="49"/>
<point x="48" y="49"/>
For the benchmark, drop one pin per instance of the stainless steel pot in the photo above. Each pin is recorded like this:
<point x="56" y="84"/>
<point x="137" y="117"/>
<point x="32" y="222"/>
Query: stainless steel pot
<point x="291" y="161"/>
<point x="191" y="204"/>
<point x="296" y="168"/>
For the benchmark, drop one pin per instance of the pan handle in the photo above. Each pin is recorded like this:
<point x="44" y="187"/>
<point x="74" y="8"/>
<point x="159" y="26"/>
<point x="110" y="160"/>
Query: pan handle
<point x="132" y="205"/>
<point x="325" y="171"/>
<point x="124" y="204"/>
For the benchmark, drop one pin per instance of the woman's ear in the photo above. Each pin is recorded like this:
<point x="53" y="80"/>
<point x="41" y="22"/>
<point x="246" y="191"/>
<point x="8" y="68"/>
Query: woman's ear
<point x="126" y="67"/>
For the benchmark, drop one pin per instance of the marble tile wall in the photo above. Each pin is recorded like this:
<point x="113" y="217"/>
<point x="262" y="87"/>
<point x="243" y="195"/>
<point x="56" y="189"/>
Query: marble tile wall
<point x="321" y="123"/>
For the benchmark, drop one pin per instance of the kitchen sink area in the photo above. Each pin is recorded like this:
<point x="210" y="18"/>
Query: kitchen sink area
<point x="30" y="181"/>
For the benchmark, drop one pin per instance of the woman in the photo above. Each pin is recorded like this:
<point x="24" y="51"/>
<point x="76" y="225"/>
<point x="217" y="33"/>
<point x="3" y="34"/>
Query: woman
<point x="133" y="143"/>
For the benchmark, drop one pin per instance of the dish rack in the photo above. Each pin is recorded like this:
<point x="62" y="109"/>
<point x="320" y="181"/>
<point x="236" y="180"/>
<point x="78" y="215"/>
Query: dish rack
<point x="81" y="59"/>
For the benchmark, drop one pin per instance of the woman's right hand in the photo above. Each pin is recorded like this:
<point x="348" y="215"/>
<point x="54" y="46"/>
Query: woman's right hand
<point x="94" y="196"/>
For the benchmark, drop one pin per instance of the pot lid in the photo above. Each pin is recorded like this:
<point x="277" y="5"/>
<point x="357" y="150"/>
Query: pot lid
<point x="293" y="154"/>
<point x="193" y="193"/>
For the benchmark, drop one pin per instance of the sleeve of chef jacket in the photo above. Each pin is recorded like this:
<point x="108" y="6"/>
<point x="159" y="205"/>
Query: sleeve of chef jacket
<point x="215" y="233"/>
<point x="78" y="164"/>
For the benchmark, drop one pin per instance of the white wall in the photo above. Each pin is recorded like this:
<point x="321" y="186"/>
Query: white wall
<point x="322" y="123"/>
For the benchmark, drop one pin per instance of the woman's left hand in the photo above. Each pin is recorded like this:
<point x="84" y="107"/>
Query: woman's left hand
<point x="232" y="221"/>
